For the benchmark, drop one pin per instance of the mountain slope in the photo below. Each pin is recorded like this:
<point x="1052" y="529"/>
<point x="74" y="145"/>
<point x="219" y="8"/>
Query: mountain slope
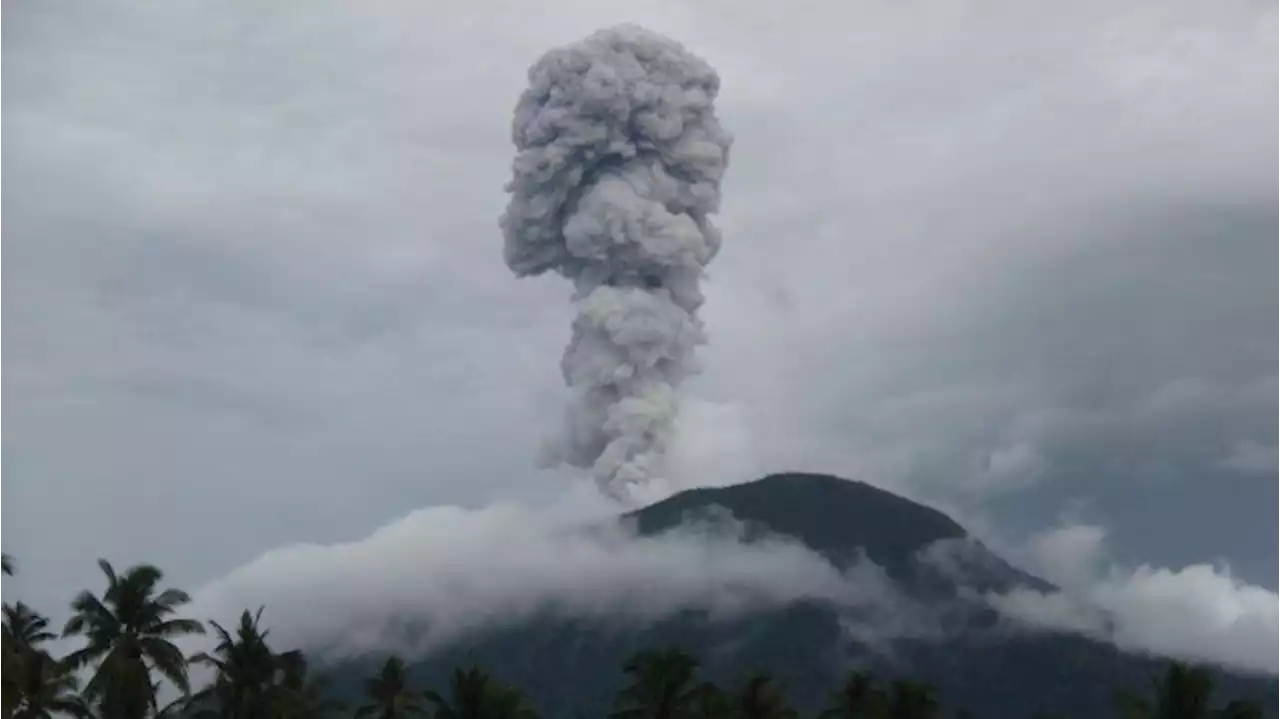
<point x="571" y="667"/>
<point x="831" y="516"/>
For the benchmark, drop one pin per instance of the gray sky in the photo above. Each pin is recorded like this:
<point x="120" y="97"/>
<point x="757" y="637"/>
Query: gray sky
<point x="1014" y="261"/>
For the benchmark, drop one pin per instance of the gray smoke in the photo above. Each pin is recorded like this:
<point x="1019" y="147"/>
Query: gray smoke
<point x="619" y="165"/>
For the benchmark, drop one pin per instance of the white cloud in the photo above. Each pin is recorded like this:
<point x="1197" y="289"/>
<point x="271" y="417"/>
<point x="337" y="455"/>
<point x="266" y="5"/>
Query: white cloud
<point x="448" y="570"/>
<point x="254" y="270"/>
<point x="1199" y="612"/>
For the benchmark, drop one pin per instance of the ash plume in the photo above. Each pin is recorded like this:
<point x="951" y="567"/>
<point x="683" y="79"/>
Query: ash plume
<point x="619" y="162"/>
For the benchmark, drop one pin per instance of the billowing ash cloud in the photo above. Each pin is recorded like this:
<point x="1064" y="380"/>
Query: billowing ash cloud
<point x="619" y="165"/>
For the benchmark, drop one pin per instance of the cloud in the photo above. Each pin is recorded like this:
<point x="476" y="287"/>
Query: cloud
<point x="432" y="576"/>
<point x="1199" y="612"/>
<point x="1253" y="458"/>
<point x="253" y="269"/>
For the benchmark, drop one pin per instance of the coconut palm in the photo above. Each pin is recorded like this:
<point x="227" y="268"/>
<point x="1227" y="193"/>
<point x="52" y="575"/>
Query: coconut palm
<point x="245" y="669"/>
<point x="10" y="677"/>
<point x="476" y="695"/>
<point x="298" y="695"/>
<point x="662" y="685"/>
<point x="45" y="688"/>
<point x="858" y="698"/>
<point x="127" y="634"/>
<point x="1182" y="692"/>
<point x="24" y="628"/>
<point x="389" y="694"/>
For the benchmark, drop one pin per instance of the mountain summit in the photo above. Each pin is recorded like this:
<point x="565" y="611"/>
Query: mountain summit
<point x="837" y="518"/>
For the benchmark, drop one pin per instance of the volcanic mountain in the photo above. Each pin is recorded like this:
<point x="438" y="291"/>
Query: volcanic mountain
<point x="942" y="632"/>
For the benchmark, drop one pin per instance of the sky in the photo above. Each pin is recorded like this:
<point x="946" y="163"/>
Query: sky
<point x="1013" y="262"/>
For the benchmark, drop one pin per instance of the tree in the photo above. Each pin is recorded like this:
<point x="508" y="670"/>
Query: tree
<point x="246" y="670"/>
<point x="761" y="698"/>
<point x="1182" y="692"/>
<point x="298" y="695"/>
<point x="45" y="688"/>
<point x="127" y="634"/>
<point x="10" y="678"/>
<point x="6" y="564"/>
<point x="475" y="695"/>
<point x="661" y="685"/>
<point x="27" y="675"/>
<point x="912" y="700"/>
<point x="389" y="694"/>
<point x="24" y="628"/>
<point x="857" y="698"/>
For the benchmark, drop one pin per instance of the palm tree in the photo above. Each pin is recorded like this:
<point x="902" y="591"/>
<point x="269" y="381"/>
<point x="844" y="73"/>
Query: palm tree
<point x="858" y="698"/>
<point x="24" y="628"/>
<point x="475" y="695"/>
<point x="389" y="694"/>
<point x="912" y="700"/>
<point x="10" y="678"/>
<point x="661" y="685"/>
<point x="299" y="696"/>
<point x="128" y="634"/>
<point x="6" y="564"/>
<point x="1181" y="693"/>
<point x="46" y="688"/>
<point x="245" y="669"/>
<point x="761" y="698"/>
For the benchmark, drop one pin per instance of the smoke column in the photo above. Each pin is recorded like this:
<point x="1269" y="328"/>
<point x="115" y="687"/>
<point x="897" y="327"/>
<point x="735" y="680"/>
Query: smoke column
<point x="619" y="162"/>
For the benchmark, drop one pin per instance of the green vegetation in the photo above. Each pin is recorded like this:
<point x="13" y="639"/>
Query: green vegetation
<point x="128" y="652"/>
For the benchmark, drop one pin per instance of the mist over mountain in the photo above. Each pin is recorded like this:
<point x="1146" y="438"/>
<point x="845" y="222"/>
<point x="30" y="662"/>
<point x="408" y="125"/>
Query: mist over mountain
<point x="928" y="614"/>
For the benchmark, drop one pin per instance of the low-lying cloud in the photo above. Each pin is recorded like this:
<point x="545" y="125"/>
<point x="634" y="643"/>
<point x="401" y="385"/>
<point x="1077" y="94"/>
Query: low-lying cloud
<point x="440" y="572"/>
<point x="1200" y="612"/>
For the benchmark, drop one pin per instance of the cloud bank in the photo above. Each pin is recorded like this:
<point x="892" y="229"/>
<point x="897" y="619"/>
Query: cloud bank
<point x="438" y="573"/>
<point x="1200" y="612"/>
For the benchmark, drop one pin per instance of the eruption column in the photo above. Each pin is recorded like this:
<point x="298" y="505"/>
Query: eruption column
<point x="619" y="162"/>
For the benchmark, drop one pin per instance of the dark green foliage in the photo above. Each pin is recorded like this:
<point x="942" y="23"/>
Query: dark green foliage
<point x="910" y="699"/>
<point x="24" y="628"/>
<point x="299" y="695"/>
<point x="128" y="632"/>
<point x="389" y="694"/>
<point x="1184" y="691"/>
<point x="662" y="685"/>
<point x="246" y="668"/>
<point x="761" y="698"/>
<point x="858" y="698"/>
<point x="473" y="694"/>
<point x="46" y="687"/>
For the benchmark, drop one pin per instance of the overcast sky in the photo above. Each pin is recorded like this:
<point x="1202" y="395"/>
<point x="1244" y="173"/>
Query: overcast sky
<point x="1015" y="260"/>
